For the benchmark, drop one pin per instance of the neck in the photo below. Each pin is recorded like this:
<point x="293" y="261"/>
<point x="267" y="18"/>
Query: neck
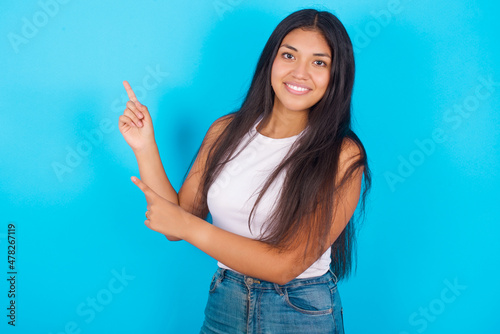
<point x="283" y="123"/>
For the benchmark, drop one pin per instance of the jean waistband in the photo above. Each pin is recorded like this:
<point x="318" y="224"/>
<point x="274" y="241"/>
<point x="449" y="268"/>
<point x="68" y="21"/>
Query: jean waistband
<point x="258" y="283"/>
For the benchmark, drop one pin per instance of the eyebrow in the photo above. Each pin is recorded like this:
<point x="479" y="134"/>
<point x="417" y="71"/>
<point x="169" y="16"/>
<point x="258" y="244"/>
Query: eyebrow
<point x="314" y="54"/>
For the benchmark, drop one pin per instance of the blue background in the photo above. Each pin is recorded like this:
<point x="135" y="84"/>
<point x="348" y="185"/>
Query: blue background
<point x="428" y="250"/>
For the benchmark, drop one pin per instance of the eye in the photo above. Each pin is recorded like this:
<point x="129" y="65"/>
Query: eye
<point x="320" y="63"/>
<point x="287" y="55"/>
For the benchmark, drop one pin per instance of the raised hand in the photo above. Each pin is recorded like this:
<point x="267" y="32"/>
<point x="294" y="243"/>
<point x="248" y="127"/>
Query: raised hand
<point x="135" y="124"/>
<point x="163" y="216"/>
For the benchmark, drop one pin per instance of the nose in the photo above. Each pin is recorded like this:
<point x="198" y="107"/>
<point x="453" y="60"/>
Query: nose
<point x="300" y="71"/>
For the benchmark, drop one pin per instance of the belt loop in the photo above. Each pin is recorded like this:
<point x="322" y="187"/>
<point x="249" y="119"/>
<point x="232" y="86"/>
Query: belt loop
<point x="335" y="276"/>
<point x="222" y="272"/>
<point x="278" y="289"/>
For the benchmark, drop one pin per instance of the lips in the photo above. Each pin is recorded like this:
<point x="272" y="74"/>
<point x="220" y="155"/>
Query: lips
<point x="297" y="89"/>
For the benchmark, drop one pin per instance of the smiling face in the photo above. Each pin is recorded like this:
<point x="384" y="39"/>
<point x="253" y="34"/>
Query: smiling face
<point x="301" y="70"/>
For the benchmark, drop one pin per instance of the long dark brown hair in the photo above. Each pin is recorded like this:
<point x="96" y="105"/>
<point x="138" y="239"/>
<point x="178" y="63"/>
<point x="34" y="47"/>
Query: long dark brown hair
<point x="312" y="163"/>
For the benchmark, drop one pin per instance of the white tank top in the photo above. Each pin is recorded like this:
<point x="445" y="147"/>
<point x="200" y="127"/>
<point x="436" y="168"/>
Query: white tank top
<point x="233" y="194"/>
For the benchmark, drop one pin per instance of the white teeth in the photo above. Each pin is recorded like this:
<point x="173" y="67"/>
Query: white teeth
<point x="300" y="89"/>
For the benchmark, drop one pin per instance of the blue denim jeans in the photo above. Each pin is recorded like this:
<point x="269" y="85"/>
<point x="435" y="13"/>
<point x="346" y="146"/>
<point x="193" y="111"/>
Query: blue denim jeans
<point x="243" y="304"/>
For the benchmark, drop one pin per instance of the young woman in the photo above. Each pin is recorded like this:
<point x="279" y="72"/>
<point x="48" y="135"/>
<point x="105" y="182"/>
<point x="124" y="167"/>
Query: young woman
<point x="281" y="177"/>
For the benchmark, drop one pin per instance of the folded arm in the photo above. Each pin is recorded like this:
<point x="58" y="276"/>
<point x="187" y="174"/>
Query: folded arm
<point x="260" y="260"/>
<point x="249" y="256"/>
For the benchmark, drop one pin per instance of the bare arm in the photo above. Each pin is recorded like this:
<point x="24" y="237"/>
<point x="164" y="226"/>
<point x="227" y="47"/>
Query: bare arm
<point x="258" y="259"/>
<point x="192" y="183"/>
<point x="136" y="127"/>
<point x="152" y="173"/>
<point x="248" y="256"/>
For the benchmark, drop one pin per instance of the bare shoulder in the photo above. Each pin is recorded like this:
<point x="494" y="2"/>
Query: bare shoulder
<point x="219" y="125"/>
<point x="223" y="121"/>
<point x="350" y="153"/>
<point x="214" y="132"/>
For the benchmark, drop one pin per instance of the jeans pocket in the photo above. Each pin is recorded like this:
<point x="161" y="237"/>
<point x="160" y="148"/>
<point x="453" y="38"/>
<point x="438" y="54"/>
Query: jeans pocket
<point x="313" y="299"/>
<point x="216" y="279"/>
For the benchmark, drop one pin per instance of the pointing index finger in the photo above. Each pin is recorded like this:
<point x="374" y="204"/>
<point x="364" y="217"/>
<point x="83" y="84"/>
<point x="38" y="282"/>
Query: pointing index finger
<point x="130" y="92"/>
<point x="144" y="187"/>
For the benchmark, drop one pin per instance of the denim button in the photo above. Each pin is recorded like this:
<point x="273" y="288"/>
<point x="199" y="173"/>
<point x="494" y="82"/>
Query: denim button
<point x="249" y="280"/>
